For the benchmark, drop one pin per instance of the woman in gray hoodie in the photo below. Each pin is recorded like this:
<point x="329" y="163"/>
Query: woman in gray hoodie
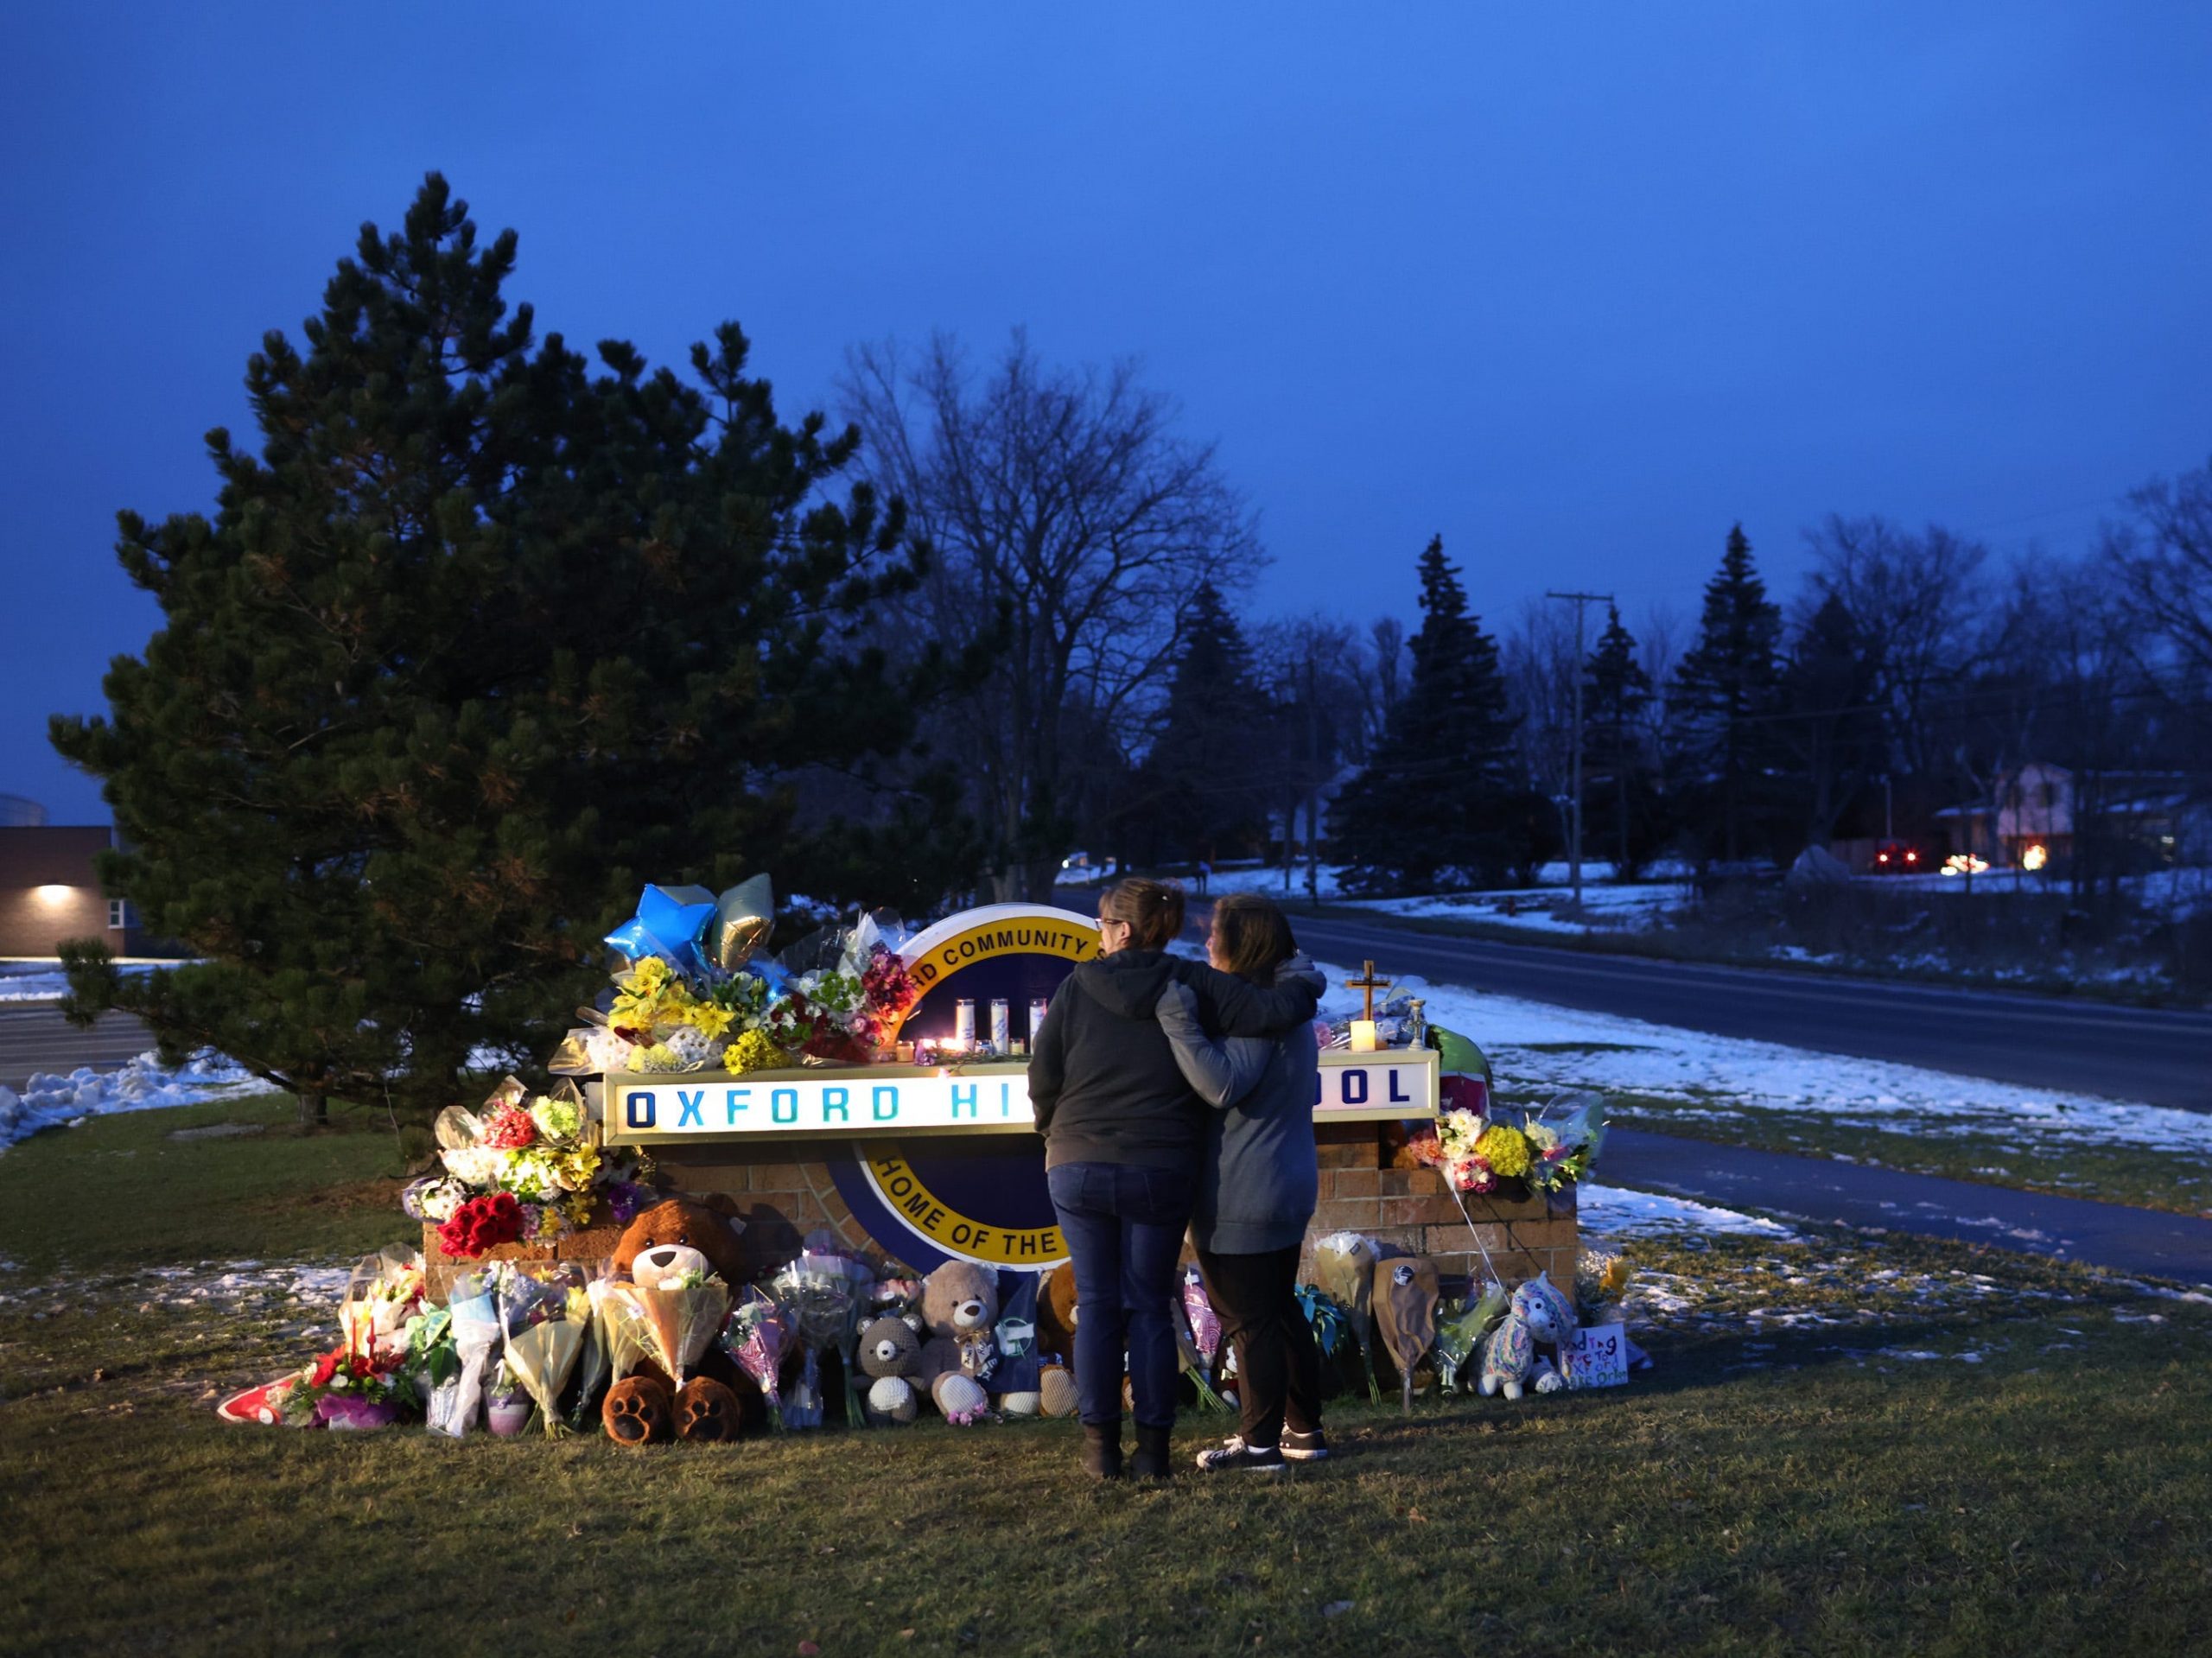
<point x="1257" y="1187"/>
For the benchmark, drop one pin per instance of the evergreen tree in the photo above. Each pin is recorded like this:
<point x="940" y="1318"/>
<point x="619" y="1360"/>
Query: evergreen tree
<point x="1616" y="775"/>
<point x="1203" y="782"/>
<point x="479" y="642"/>
<point x="1725" y="691"/>
<point x="1440" y="797"/>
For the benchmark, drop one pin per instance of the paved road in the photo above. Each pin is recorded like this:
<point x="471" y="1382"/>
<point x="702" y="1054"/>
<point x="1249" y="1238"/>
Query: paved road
<point x="36" y="1037"/>
<point x="2156" y="1055"/>
<point x="1819" y="1189"/>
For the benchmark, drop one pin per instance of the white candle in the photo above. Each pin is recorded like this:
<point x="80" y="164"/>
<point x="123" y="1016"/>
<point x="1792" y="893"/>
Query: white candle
<point x="1362" y="1036"/>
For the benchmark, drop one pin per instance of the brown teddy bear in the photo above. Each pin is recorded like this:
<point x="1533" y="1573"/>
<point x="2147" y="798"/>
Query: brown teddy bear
<point x="891" y="1356"/>
<point x="719" y="1402"/>
<point x="960" y="1316"/>
<point x="1056" y="1314"/>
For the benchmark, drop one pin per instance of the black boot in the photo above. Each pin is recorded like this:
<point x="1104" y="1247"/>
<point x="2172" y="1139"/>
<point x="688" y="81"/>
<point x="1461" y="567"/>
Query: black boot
<point x="1102" y="1450"/>
<point x="1151" y="1461"/>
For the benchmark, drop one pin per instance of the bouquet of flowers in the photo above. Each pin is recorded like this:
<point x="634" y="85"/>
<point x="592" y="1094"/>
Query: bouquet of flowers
<point x="1344" y="1262"/>
<point x="523" y="1169"/>
<point x="474" y="1322"/>
<point x="382" y="1296"/>
<point x="754" y="1336"/>
<point x="1326" y="1315"/>
<point x="672" y="1320"/>
<point x="691" y="995"/>
<point x="1564" y="1136"/>
<point x="541" y="1319"/>
<point x="344" y="1389"/>
<point x="1460" y="1327"/>
<point x="822" y="1294"/>
<point x="1201" y="1337"/>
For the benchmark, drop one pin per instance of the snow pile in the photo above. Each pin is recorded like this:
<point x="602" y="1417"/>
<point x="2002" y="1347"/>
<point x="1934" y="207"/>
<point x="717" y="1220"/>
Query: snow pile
<point x="1612" y="1213"/>
<point x="144" y="1084"/>
<point x="1605" y="1051"/>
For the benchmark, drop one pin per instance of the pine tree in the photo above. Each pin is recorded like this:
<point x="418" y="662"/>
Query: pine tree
<point x="1440" y="797"/>
<point x="480" y="641"/>
<point x="1203" y="782"/>
<point x="1725" y="694"/>
<point x="1617" y="692"/>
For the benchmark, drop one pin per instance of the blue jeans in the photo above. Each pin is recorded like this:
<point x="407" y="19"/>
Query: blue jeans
<point x="1124" y="1226"/>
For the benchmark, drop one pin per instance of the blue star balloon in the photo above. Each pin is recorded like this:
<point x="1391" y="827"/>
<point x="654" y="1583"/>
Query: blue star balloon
<point x="668" y="923"/>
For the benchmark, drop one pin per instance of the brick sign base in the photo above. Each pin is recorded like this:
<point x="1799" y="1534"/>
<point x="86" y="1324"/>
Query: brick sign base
<point x="785" y="1191"/>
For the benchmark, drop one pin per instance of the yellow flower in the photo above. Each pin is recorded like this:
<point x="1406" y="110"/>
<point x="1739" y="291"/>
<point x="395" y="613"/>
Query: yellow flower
<point x="755" y="1051"/>
<point x="1506" y="1149"/>
<point x="708" y="1019"/>
<point x="648" y="976"/>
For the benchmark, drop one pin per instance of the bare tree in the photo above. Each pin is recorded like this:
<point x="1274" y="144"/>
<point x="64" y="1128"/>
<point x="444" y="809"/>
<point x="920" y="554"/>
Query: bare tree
<point x="2164" y="564"/>
<point x="1317" y="677"/>
<point x="1384" y="683"/>
<point x="1061" y="505"/>
<point x="1912" y="599"/>
<point x="1541" y="667"/>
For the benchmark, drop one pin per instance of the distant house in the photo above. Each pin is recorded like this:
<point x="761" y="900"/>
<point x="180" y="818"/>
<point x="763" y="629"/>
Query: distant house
<point x="2029" y="819"/>
<point x="50" y="891"/>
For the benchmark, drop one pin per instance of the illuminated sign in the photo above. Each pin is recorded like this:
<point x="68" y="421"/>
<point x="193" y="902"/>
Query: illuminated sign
<point x="899" y="1100"/>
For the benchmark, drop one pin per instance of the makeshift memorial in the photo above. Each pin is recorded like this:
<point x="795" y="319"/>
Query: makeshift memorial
<point x="891" y="1356"/>
<point x="959" y="1311"/>
<point x="1538" y="1317"/>
<point x="1405" y="1311"/>
<point x="542" y="1318"/>
<point x="1345" y="1264"/>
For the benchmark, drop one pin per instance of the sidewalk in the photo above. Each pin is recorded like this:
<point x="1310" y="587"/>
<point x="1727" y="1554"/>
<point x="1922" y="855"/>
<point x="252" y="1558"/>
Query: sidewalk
<point x="1821" y="1189"/>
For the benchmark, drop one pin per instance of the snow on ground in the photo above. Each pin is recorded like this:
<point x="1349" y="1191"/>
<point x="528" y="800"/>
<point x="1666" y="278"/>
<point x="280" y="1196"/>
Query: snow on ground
<point x="41" y="979"/>
<point x="144" y="1084"/>
<point x="1610" y="1053"/>
<point x="1609" y="1214"/>
<point x="1541" y="908"/>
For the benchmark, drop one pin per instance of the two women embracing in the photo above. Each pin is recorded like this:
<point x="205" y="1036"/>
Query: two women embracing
<point x="1177" y="1096"/>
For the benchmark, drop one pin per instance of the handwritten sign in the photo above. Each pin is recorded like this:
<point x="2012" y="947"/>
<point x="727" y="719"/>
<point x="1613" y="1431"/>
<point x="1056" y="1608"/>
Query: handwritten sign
<point x="1596" y="1356"/>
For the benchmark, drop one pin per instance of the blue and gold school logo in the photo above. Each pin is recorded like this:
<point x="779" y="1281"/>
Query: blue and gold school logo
<point x="929" y="1202"/>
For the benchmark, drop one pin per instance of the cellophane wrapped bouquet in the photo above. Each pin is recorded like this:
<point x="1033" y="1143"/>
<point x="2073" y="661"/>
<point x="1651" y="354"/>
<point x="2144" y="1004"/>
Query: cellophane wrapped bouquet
<point x="755" y="1336"/>
<point x="669" y="1320"/>
<point x="523" y="1169"/>
<point x="544" y="1312"/>
<point x="823" y="1293"/>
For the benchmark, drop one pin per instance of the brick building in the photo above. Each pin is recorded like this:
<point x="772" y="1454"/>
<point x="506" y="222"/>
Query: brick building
<point x="50" y="890"/>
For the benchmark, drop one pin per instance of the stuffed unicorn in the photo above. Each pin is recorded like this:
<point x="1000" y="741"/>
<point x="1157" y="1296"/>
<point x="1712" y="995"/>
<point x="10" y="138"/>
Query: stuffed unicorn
<point x="1538" y="1316"/>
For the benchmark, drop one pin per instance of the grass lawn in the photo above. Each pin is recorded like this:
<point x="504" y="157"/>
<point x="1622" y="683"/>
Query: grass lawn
<point x="230" y="1179"/>
<point x="1848" y="1447"/>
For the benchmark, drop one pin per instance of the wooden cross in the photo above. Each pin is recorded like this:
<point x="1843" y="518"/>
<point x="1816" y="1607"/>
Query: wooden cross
<point x="1368" y="984"/>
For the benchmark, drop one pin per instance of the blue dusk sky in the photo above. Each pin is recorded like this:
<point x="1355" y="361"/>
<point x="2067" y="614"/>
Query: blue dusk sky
<point x="1576" y="285"/>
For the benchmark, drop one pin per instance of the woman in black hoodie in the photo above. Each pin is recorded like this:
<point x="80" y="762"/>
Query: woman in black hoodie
<point x="1123" y="1137"/>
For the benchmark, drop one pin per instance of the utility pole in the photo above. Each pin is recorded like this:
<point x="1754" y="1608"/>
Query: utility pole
<point x="1574" y="843"/>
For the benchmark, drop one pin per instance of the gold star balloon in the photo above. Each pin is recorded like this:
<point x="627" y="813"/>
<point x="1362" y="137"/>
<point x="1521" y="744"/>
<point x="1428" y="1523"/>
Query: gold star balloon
<point x="743" y="917"/>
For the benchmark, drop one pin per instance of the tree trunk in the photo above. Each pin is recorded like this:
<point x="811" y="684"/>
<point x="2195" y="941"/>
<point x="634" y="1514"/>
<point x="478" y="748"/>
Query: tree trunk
<point x="315" y="1110"/>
